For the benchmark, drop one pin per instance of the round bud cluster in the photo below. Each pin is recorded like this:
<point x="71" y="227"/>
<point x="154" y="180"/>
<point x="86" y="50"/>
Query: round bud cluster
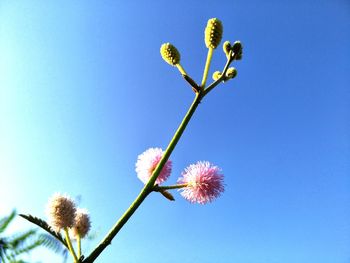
<point x="170" y="54"/>
<point x="213" y="33"/>
<point x="231" y="73"/>
<point x="216" y="75"/>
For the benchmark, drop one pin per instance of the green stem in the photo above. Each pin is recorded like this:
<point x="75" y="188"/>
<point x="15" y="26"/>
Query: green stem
<point x="207" y="65"/>
<point x="181" y="69"/>
<point x="158" y="188"/>
<point x="148" y="188"/>
<point x="79" y="245"/>
<point x="69" y="243"/>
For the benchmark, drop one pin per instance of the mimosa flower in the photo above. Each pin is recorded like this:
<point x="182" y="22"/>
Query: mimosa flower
<point x="61" y="211"/>
<point x="204" y="182"/>
<point x="148" y="161"/>
<point x="82" y="223"/>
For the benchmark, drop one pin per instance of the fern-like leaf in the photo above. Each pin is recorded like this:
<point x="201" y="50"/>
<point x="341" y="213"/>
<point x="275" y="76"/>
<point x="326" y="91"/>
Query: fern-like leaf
<point x="6" y="221"/>
<point x="42" y="224"/>
<point x="52" y="243"/>
<point x="27" y="248"/>
<point x="19" y="240"/>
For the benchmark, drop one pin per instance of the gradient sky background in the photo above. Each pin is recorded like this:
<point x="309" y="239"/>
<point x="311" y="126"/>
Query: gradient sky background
<point x="84" y="91"/>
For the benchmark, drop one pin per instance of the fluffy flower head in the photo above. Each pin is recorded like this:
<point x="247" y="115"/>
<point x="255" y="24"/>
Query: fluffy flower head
<point x="204" y="181"/>
<point x="82" y="223"/>
<point x="148" y="161"/>
<point x="61" y="211"/>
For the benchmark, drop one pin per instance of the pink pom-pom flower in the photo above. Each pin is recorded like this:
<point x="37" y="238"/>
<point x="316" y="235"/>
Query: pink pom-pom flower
<point x="204" y="182"/>
<point x="82" y="223"/>
<point x="61" y="211"/>
<point x="148" y="161"/>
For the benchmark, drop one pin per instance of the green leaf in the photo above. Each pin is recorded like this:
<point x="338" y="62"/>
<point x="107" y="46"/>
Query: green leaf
<point x="6" y="221"/>
<point x="20" y="239"/>
<point x="52" y="243"/>
<point x="26" y="249"/>
<point x="42" y="224"/>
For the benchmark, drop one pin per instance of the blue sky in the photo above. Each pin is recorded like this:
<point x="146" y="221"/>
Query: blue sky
<point x="84" y="91"/>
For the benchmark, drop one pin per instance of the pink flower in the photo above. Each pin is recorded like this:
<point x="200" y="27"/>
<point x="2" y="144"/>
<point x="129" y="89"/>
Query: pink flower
<point x="148" y="161"/>
<point x="204" y="182"/>
<point x="82" y="223"/>
<point x="61" y="211"/>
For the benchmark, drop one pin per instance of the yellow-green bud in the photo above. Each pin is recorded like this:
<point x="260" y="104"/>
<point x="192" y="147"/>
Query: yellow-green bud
<point x="216" y="75"/>
<point x="226" y="47"/>
<point x="213" y="33"/>
<point x="231" y="73"/>
<point x="170" y="54"/>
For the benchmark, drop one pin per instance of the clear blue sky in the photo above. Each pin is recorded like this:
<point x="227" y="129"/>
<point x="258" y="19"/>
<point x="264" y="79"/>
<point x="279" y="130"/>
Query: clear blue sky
<point x="83" y="91"/>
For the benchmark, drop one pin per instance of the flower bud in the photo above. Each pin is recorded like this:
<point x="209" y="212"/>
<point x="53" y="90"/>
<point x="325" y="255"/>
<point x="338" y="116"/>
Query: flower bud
<point x="237" y="47"/>
<point x="213" y="33"/>
<point x="216" y="75"/>
<point x="170" y="54"/>
<point x="231" y="73"/>
<point x="226" y="47"/>
<point x="238" y="56"/>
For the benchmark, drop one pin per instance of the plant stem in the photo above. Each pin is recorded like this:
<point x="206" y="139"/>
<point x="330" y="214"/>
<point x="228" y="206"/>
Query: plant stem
<point x="79" y="245"/>
<point x="192" y="83"/>
<point x="206" y="68"/>
<point x="148" y="188"/>
<point x="181" y="69"/>
<point x="69" y="243"/>
<point x="168" y="187"/>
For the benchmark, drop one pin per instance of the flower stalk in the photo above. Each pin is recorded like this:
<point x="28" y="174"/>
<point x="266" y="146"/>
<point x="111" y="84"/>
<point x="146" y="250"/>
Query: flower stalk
<point x="207" y="66"/>
<point x="79" y="245"/>
<point x="148" y="188"/>
<point x="150" y="185"/>
<point x="181" y="69"/>
<point x="70" y="246"/>
<point x="158" y="188"/>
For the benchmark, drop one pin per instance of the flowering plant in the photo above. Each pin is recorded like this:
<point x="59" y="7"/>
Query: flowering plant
<point x="199" y="183"/>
